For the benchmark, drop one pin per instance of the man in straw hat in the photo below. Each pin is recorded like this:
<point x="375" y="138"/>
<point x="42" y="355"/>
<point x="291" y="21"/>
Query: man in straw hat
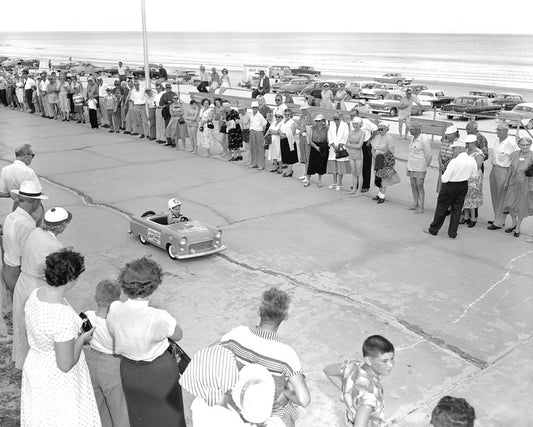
<point x="40" y="243"/>
<point x="453" y="190"/>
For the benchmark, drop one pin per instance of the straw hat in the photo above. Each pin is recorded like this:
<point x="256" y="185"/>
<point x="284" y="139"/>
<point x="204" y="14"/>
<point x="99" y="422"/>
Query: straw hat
<point x="30" y="189"/>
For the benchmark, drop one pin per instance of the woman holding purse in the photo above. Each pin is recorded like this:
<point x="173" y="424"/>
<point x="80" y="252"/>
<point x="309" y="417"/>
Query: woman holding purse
<point x="383" y="153"/>
<point x="289" y="154"/>
<point x="318" y="155"/>
<point x="148" y="370"/>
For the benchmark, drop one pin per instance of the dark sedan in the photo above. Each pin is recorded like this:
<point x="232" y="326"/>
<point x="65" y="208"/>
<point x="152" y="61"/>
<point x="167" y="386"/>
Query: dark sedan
<point x="508" y="100"/>
<point x="315" y="89"/>
<point x="470" y="107"/>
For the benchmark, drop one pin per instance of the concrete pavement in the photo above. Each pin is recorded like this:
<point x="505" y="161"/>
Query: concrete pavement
<point x="458" y="311"/>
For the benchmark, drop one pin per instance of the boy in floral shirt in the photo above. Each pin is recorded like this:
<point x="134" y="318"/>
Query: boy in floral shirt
<point x="359" y="383"/>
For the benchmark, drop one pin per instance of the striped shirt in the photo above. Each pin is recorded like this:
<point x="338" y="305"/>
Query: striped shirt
<point x="210" y="374"/>
<point x="267" y="349"/>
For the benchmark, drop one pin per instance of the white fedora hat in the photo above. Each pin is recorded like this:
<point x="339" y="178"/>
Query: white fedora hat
<point x="30" y="189"/>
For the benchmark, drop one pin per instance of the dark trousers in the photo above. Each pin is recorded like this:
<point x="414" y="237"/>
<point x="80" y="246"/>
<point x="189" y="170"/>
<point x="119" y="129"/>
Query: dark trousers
<point x="29" y="99"/>
<point x="93" y="118"/>
<point x="452" y="194"/>
<point x="153" y="394"/>
<point x="367" y="165"/>
<point x="3" y="96"/>
<point x="152" y="122"/>
<point x="202" y="87"/>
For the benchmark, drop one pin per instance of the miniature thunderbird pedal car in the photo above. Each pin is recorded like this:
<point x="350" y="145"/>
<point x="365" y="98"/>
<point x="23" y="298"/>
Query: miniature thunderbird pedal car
<point x="181" y="240"/>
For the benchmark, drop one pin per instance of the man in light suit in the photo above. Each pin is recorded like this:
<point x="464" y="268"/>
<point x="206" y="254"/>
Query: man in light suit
<point x="263" y="86"/>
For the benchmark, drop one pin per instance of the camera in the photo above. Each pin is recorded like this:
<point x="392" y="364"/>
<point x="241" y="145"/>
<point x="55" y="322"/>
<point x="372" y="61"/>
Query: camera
<point x="86" y="325"/>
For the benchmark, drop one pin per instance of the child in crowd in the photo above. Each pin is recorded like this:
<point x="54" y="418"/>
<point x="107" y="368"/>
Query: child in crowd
<point x="19" y="92"/>
<point x="111" y="104"/>
<point x="35" y="99"/>
<point x="92" y="105"/>
<point x="104" y="365"/>
<point x="244" y="119"/>
<point x="359" y="382"/>
<point x="78" y="101"/>
<point x="453" y="412"/>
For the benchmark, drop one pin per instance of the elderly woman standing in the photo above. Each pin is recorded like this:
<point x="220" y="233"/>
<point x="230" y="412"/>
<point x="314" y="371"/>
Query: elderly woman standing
<point x="340" y="96"/>
<point x="52" y="89"/>
<point x="148" y="370"/>
<point x="383" y="153"/>
<point x="64" y="103"/>
<point x="191" y="118"/>
<point x="326" y="97"/>
<point x="177" y="127"/>
<point x="206" y="126"/>
<point x="40" y="243"/>
<point x="304" y="126"/>
<point x="354" y="145"/>
<point x="418" y="161"/>
<point x="289" y="154"/>
<point x="518" y="201"/>
<point x="337" y="137"/>
<point x="474" y="196"/>
<point x="56" y="386"/>
<point x="318" y="156"/>
<point x="274" y="149"/>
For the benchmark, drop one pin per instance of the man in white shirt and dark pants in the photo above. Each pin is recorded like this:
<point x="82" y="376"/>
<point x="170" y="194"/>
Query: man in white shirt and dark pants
<point x="139" y="108"/>
<point x="453" y="190"/>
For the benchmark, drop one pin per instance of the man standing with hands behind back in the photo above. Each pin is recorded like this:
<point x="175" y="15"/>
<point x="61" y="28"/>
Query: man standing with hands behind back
<point x="404" y="112"/>
<point x="263" y="86"/>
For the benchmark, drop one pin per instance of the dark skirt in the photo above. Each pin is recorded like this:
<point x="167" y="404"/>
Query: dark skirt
<point x="235" y="138"/>
<point x="318" y="160"/>
<point x="287" y="156"/>
<point x="153" y="394"/>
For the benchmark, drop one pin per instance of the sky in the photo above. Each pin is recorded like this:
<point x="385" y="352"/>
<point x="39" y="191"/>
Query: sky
<point x="444" y="16"/>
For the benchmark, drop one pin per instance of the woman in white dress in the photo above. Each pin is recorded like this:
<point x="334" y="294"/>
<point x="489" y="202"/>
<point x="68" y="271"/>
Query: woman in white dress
<point x="206" y="126"/>
<point x="326" y="97"/>
<point x="56" y="385"/>
<point x="225" y="81"/>
<point x="274" y="149"/>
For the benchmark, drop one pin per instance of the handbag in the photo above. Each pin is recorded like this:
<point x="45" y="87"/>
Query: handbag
<point x="210" y="125"/>
<point x="341" y="153"/>
<point x="181" y="121"/>
<point x="182" y="358"/>
<point x="529" y="171"/>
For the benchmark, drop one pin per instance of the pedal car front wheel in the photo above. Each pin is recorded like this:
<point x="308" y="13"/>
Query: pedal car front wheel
<point x="171" y="251"/>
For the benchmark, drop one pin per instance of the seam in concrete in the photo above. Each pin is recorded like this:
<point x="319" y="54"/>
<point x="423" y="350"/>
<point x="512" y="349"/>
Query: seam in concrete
<point x="373" y="311"/>
<point x="509" y="267"/>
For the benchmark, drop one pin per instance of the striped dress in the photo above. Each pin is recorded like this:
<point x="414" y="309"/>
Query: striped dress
<point x="266" y="348"/>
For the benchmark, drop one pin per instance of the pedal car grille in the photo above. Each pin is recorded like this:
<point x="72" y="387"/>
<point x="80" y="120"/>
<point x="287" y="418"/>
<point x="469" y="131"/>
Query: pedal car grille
<point x="201" y="246"/>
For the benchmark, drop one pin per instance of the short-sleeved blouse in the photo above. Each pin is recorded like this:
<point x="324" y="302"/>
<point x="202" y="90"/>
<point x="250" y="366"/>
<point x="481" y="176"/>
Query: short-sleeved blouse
<point x="382" y="143"/>
<point x="140" y="331"/>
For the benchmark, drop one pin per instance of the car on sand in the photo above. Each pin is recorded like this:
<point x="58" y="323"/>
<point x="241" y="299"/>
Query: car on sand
<point x="181" y="240"/>
<point x="86" y="68"/>
<point x="522" y="113"/>
<point x="397" y="78"/>
<point x="377" y="90"/>
<point x="389" y="105"/>
<point x="508" y="100"/>
<point x="470" y="107"/>
<point x="436" y="97"/>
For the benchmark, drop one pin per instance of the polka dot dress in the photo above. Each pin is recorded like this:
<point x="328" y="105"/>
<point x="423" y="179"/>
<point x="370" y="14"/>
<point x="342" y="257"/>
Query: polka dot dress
<point x="49" y="396"/>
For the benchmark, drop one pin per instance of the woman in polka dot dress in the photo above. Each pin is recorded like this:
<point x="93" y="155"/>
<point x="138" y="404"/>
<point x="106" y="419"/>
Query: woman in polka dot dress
<point x="56" y="386"/>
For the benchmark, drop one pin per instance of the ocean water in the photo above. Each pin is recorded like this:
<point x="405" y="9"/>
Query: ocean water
<point x="501" y="60"/>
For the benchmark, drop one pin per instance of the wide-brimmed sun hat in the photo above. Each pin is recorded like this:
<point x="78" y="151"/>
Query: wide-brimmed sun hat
<point x="30" y="189"/>
<point x="254" y="393"/>
<point x="57" y="216"/>
<point x="450" y="130"/>
<point x="319" y="117"/>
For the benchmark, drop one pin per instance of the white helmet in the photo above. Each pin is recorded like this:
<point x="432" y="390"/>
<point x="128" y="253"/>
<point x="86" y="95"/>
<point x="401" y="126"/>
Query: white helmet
<point x="172" y="203"/>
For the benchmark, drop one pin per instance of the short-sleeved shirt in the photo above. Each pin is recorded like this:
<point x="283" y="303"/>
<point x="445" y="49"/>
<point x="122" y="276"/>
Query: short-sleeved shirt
<point x="502" y="151"/>
<point x="359" y="388"/>
<point x="416" y="159"/>
<point x="266" y="348"/>
<point x="102" y="340"/>
<point x="140" y="331"/>
<point x="17" y="227"/>
<point x="14" y="174"/>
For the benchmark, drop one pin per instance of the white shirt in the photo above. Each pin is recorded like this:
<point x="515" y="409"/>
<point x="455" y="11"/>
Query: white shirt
<point x="122" y="70"/>
<point x="157" y="99"/>
<point x="279" y="109"/>
<point x="14" y="174"/>
<point x="204" y="415"/>
<point x="257" y="122"/>
<point x="460" y="168"/>
<point x="368" y="127"/>
<point x="29" y="83"/>
<point x="137" y="96"/>
<point x="102" y="90"/>
<point x="102" y="340"/>
<point x="140" y="331"/>
<point x="338" y="137"/>
<point x="501" y="153"/>
<point x="91" y="103"/>
<point x="42" y="85"/>
<point x="17" y="226"/>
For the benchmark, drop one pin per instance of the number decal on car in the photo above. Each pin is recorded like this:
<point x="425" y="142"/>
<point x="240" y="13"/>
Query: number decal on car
<point x="153" y="236"/>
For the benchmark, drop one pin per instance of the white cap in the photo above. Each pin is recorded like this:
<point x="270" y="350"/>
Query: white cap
<point x="319" y="117"/>
<point x="255" y="104"/>
<point x="30" y="189"/>
<point x="450" y="129"/>
<point x="172" y="203"/>
<point x="304" y="107"/>
<point x="471" y="138"/>
<point x="57" y="216"/>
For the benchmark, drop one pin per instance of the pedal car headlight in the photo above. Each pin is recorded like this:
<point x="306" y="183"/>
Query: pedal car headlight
<point x="218" y="235"/>
<point x="182" y="242"/>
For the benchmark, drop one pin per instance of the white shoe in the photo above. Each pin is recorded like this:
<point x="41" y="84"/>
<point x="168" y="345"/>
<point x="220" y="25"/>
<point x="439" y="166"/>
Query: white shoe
<point x="338" y="188"/>
<point x="303" y="177"/>
<point x="332" y="186"/>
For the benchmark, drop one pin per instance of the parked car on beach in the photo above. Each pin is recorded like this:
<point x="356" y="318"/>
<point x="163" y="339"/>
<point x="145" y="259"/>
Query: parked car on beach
<point x="508" y="100"/>
<point x="86" y="68"/>
<point x="279" y="71"/>
<point x="11" y="62"/>
<point x="416" y="89"/>
<point x="470" y="107"/>
<point x="389" y="105"/>
<point x="30" y="63"/>
<point x="305" y="69"/>
<point x="397" y="78"/>
<point x="138" y="73"/>
<point x="281" y="82"/>
<point x="487" y="93"/>
<point x="295" y="86"/>
<point x="522" y="113"/>
<point x="377" y="90"/>
<point x="434" y="96"/>
<point x="66" y="66"/>
<point x="315" y="89"/>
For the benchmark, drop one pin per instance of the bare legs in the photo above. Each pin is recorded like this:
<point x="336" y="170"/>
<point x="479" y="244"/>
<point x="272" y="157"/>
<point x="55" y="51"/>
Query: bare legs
<point x="419" y="195"/>
<point x="357" y="178"/>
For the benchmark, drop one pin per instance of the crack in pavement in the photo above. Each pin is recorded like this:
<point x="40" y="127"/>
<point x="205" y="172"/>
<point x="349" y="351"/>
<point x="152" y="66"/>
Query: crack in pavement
<point x="373" y="310"/>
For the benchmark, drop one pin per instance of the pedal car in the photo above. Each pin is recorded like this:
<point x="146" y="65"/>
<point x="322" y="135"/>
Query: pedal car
<point x="181" y="240"/>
